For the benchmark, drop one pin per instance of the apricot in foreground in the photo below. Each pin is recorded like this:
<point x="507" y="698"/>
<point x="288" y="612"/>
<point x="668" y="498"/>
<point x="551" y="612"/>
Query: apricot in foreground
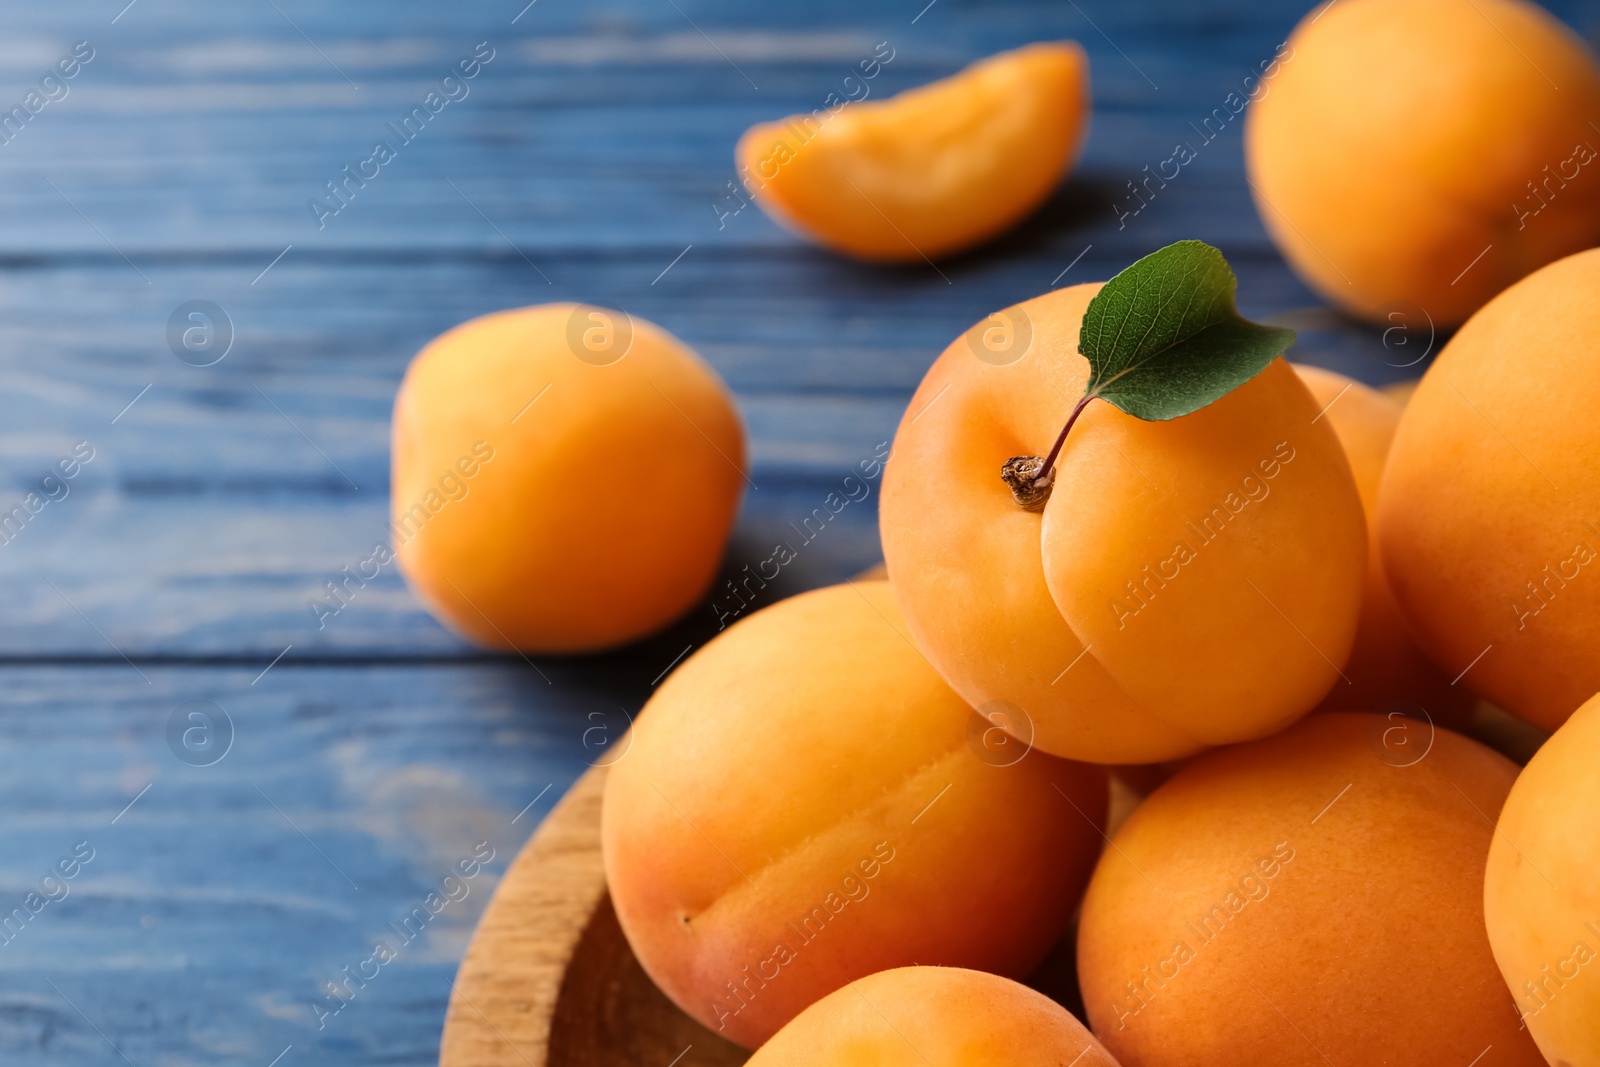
<point x="1488" y="509"/>
<point x="932" y="171"/>
<point x="564" y="478"/>
<point x="1542" y="892"/>
<point x="804" y="803"/>
<point x="1415" y="157"/>
<point x="933" y="1017"/>
<point x="1189" y="583"/>
<point x="1313" y="898"/>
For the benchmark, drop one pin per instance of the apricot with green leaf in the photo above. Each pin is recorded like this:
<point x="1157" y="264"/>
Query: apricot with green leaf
<point x="1183" y="569"/>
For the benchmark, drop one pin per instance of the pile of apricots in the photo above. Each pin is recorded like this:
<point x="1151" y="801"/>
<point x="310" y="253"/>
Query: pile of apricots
<point x="1281" y="714"/>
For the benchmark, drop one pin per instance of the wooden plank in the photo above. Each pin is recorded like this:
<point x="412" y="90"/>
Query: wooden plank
<point x="484" y="180"/>
<point x="193" y="132"/>
<point x="219" y="899"/>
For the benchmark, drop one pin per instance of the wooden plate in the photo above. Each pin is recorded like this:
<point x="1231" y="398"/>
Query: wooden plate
<point x="549" y="980"/>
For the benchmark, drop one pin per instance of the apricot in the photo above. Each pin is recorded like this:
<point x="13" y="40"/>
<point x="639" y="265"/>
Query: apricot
<point x="1488" y="509"/>
<point x="1189" y="583"/>
<point x="1309" y="899"/>
<point x="1400" y="392"/>
<point x="564" y="478"/>
<point x="1426" y="153"/>
<point x="1385" y="665"/>
<point x="933" y="1017"/>
<point x="1541" y="896"/>
<point x="805" y="802"/>
<point x="931" y="171"/>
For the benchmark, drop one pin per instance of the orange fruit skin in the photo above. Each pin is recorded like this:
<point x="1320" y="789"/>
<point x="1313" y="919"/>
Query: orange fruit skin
<point x="801" y="807"/>
<point x="1300" y="901"/>
<point x="931" y="171"/>
<point x="1400" y="392"/>
<point x="1397" y="143"/>
<point x="1385" y="664"/>
<point x="600" y="497"/>
<point x="1036" y="610"/>
<point x="933" y="1017"/>
<point x="1541" y="895"/>
<point x="1488" y="508"/>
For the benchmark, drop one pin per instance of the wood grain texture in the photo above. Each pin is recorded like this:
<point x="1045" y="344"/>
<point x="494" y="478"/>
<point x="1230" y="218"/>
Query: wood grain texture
<point x="222" y="899"/>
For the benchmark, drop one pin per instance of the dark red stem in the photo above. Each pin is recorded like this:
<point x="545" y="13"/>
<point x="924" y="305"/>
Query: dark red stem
<point x="1055" y="449"/>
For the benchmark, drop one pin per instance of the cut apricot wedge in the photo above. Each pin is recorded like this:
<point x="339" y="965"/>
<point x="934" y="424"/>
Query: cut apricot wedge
<point x="932" y="171"/>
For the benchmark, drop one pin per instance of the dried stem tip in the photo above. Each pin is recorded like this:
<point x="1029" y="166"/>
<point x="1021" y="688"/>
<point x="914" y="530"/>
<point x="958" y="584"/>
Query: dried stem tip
<point x="1029" y="487"/>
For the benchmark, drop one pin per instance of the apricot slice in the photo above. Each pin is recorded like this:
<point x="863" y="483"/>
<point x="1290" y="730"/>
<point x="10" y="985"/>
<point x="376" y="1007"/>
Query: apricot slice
<point x="1541" y="895"/>
<point x="1309" y="899"/>
<point x="1385" y="665"/>
<point x="1190" y="583"/>
<point x="1489" y="505"/>
<point x="933" y="1017"/>
<point x="929" y="172"/>
<point x="564" y="478"/>
<point x="1418" y="156"/>
<point x="804" y="803"/>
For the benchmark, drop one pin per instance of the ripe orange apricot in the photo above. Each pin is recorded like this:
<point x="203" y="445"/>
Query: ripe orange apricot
<point x="929" y="172"/>
<point x="921" y="1016"/>
<point x="1488" y="510"/>
<point x="1385" y="664"/>
<point x="1309" y="899"/>
<point x="1189" y="583"/>
<point x="1541" y="896"/>
<point x="1429" y="152"/>
<point x="564" y="477"/>
<point x="804" y="802"/>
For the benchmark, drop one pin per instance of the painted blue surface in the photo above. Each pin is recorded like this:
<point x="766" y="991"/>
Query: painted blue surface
<point x="372" y="756"/>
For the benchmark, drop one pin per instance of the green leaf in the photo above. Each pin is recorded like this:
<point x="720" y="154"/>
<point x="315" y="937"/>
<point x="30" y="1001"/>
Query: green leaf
<point x="1163" y="338"/>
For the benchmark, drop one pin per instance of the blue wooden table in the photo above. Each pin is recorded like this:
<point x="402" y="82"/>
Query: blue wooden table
<point x="214" y="799"/>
